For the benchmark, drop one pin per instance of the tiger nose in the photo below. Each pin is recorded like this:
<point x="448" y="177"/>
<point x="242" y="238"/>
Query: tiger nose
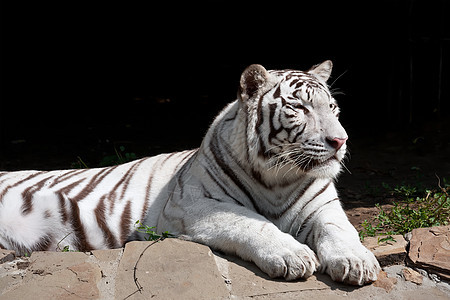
<point x="335" y="142"/>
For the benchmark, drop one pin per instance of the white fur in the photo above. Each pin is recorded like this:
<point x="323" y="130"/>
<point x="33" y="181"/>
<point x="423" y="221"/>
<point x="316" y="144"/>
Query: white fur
<point x="261" y="186"/>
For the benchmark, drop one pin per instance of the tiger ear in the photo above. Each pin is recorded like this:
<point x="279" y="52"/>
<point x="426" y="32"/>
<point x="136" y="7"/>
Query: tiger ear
<point x="322" y="71"/>
<point x="253" y="79"/>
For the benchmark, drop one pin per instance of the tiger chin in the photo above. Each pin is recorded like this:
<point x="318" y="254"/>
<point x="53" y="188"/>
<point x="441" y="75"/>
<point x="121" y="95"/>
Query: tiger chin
<point x="261" y="186"/>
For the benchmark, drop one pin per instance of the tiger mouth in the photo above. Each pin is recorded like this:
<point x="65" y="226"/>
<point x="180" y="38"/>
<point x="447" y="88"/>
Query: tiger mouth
<point x="315" y="163"/>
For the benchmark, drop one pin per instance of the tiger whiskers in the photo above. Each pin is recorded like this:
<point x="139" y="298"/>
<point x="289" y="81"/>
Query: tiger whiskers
<point x="295" y="157"/>
<point x="282" y="161"/>
<point x="345" y="167"/>
<point x="279" y="161"/>
<point x="342" y="162"/>
<point x="334" y="81"/>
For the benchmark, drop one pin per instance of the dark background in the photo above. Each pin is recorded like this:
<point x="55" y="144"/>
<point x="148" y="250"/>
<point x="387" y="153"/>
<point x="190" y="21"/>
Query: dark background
<point x="80" y="79"/>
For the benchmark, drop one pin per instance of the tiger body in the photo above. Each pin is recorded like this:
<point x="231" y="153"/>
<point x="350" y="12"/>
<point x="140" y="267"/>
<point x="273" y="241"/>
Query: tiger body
<point x="82" y="209"/>
<point x="261" y="186"/>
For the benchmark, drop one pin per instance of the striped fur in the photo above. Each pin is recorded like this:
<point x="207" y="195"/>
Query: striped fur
<point x="261" y="186"/>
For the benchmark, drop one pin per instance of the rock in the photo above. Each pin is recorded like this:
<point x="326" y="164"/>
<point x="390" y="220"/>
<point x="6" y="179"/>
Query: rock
<point x="385" y="282"/>
<point x="108" y="261"/>
<point x="22" y="265"/>
<point x="56" y="275"/>
<point x="107" y="255"/>
<point x="6" y="255"/>
<point x="169" y="269"/>
<point x="245" y="279"/>
<point x="430" y="250"/>
<point x="413" y="276"/>
<point x="88" y="275"/>
<point x="408" y="236"/>
<point x="389" y="252"/>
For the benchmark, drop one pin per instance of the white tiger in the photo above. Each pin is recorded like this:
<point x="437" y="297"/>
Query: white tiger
<point x="261" y="186"/>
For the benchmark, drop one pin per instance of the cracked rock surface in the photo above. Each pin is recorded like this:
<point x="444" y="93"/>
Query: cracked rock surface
<point x="430" y="249"/>
<point x="176" y="269"/>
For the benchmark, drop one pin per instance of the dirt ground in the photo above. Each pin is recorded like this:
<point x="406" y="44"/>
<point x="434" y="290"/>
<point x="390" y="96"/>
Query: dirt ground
<point x="392" y="162"/>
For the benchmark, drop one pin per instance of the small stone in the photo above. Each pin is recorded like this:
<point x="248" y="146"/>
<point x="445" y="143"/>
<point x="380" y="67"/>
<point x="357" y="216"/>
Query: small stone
<point x="434" y="278"/>
<point x="422" y="272"/>
<point x="408" y="236"/>
<point x="7" y="255"/>
<point x="21" y="265"/>
<point x="384" y="282"/>
<point x="413" y="276"/>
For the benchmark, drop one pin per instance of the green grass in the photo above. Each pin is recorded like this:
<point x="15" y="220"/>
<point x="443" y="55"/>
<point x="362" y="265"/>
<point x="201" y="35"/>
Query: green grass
<point x="414" y="208"/>
<point x="151" y="234"/>
<point x="65" y="248"/>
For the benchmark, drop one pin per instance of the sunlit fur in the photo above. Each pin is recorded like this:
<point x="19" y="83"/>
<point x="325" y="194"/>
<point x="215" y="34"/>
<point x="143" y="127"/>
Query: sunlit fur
<point x="261" y="186"/>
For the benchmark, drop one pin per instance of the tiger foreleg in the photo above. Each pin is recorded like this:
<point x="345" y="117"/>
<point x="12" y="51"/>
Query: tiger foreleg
<point x="237" y="230"/>
<point x="339" y="249"/>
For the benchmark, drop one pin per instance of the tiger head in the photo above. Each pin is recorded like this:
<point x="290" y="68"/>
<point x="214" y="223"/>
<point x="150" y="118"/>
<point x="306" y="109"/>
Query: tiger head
<point x="292" y="121"/>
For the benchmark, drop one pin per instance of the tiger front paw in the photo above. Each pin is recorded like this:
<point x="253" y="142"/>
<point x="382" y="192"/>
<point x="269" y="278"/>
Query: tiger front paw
<point x="293" y="262"/>
<point x="355" y="266"/>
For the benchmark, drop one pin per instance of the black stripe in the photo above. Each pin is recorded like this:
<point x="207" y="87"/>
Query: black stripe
<point x="308" y="218"/>
<point x="220" y="185"/>
<point x="27" y="195"/>
<point x="125" y="223"/>
<point x="67" y="176"/>
<point x="179" y="177"/>
<point x="207" y="194"/>
<point x="6" y="189"/>
<point x="259" y="121"/>
<point x="323" y="189"/>
<point x="167" y="158"/>
<point x="81" y="243"/>
<point x="293" y="202"/>
<point x="129" y="176"/>
<point x="298" y="134"/>
<point x="93" y="183"/>
<point x="259" y="112"/>
<point x="277" y="92"/>
<point x="273" y="131"/>
<point x="122" y="183"/>
<point x="219" y="159"/>
<point x="289" y="76"/>
<point x="100" y="215"/>
<point x="189" y="154"/>
<point x="62" y="202"/>
<point x="147" y="195"/>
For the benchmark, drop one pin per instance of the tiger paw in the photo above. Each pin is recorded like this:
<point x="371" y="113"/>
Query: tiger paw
<point x="294" y="262"/>
<point x="355" y="265"/>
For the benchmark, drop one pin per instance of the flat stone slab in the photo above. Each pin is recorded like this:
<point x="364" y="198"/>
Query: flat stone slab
<point x="389" y="252"/>
<point x="56" y="275"/>
<point x="430" y="250"/>
<point x="169" y="269"/>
